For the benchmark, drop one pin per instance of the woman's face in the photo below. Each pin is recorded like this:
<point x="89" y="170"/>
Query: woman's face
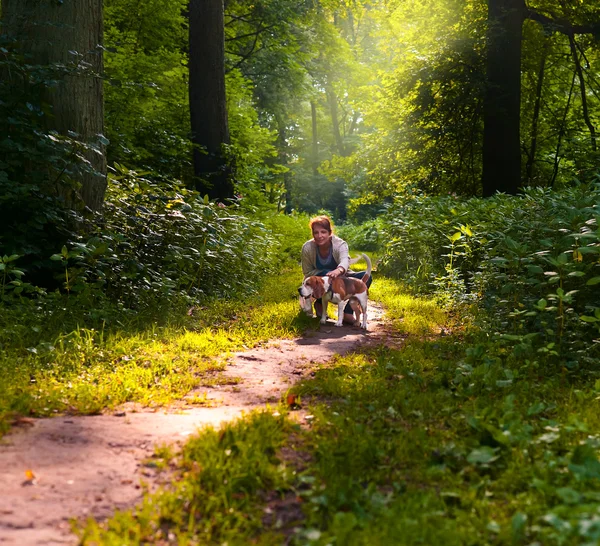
<point x="321" y="235"/>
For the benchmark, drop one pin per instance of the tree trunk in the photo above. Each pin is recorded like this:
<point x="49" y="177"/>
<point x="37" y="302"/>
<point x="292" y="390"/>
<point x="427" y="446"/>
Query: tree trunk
<point x="584" y="105"/>
<point x="562" y="131"/>
<point x="283" y="160"/>
<point x="536" y="112"/>
<point x="501" y="142"/>
<point x="69" y="33"/>
<point x="333" y="108"/>
<point x="208" y="104"/>
<point x="315" y="139"/>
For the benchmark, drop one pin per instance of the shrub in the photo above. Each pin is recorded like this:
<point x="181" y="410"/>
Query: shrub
<point x="157" y="243"/>
<point x="366" y="236"/>
<point x="530" y="261"/>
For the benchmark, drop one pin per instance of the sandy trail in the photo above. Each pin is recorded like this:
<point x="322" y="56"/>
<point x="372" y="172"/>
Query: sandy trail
<point x="93" y="465"/>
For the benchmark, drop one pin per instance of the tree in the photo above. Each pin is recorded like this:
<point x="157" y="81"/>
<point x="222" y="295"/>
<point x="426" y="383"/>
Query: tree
<point x="502" y="103"/>
<point x="502" y="108"/>
<point x="70" y="34"/>
<point x="208" y="103"/>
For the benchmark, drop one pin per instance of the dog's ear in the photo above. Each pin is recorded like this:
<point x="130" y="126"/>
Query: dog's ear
<point x="318" y="287"/>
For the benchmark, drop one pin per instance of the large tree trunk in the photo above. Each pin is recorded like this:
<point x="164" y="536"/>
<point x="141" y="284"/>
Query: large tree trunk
<point x="208" y="105"/>
<point x="69" y="33"/>
<point x="501" y="143"/>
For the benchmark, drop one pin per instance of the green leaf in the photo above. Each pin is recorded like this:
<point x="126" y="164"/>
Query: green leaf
<point x="593" y="281"/>
<point x="584" y="462"/>
<point x="483" y="455"/>
<point x="518" y="522"/>
<point x="568" y="495"/>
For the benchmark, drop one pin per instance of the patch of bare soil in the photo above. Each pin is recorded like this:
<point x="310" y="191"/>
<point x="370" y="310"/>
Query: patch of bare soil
<point x="53" y="470"/>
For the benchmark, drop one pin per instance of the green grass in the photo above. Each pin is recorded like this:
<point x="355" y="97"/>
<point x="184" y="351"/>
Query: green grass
<point x="217" y="499"/>
<point x="411" y="315"/>
<point x="441" y="442"/>
<point x="87" y="371"/>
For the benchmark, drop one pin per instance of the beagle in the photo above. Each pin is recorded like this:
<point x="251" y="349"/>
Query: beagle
<point x="339" y="290"/>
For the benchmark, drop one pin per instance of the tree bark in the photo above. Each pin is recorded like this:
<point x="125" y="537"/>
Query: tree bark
<point x="208" y="104"/>
<point x="69" y="33"/>
<point x="502" y="103"/>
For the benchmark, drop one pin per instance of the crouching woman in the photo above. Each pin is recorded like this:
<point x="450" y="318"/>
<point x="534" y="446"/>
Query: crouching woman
<point x="327" y="255"/>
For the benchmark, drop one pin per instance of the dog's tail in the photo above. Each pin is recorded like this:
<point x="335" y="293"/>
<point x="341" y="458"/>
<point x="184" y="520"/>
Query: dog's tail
<point x="367" y="275"/>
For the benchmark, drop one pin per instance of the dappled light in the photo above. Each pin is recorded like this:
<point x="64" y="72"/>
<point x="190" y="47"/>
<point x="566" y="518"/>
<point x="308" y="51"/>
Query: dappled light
<point x="185" y="185"/>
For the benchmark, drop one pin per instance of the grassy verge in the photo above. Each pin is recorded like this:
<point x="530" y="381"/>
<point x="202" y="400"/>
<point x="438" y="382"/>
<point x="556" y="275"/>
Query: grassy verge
<point x="86" y="371"/>
<point x="438" y="443"/>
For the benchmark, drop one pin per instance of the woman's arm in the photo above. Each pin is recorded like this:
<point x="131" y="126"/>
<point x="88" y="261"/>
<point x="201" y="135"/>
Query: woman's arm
<point x="309" y="256"/>
<point x="341" y="254"/>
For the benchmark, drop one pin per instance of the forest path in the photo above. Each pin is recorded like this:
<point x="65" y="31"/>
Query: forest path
<point x="92" y="465"/>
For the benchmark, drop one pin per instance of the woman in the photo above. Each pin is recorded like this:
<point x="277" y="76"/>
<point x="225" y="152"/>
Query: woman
<point x="327" y="255"/>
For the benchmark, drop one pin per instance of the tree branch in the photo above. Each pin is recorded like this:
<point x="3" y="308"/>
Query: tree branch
<point x="561" y="25"/>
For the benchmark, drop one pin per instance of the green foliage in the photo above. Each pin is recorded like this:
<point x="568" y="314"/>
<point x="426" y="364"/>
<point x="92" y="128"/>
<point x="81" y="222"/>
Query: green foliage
<point x="147" y="111"/>
<point x="156" y="243"/>
<point x="37" y="165"/>
<point x="440" y="442"/>
<point x="531" y="262"/>
<point x="290" y="233"/>
<point x="148" y="119"/>
<point x="407" y="453"/>
<point x="365" y="236"/>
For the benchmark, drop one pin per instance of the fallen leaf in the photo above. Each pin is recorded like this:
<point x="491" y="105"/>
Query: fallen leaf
<point x="292" y="402"/>
<point x="21" y="421"/>
<point x="30" y="478"/>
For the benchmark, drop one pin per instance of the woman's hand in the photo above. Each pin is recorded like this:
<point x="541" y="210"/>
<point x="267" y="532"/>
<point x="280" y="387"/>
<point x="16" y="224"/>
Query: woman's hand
<point x="336" y="272"/>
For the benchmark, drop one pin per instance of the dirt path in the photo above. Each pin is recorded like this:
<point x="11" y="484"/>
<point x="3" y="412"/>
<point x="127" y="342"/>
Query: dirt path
<point x="92" y="465"/>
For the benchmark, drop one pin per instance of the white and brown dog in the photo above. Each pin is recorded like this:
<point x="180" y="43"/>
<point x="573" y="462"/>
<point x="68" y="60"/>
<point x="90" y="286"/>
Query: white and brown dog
<point x="340" y="290"/>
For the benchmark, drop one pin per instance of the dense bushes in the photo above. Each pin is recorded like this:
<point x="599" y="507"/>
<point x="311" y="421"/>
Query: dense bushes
<point x="155" y="248"/>
<point x="532" y="262"/>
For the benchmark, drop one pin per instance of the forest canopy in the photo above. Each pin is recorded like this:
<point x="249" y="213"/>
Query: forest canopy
<point x="320" y="105"/>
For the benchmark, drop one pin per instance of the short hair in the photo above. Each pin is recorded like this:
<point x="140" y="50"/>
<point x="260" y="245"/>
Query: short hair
<point x="322" y="222"/>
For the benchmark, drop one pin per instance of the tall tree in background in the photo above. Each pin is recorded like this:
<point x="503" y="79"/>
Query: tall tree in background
<point x="502" y="103"/>
<point x="208" y="104"/>
<point x="69" y="33"/>
<point x="502" y="109"/>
